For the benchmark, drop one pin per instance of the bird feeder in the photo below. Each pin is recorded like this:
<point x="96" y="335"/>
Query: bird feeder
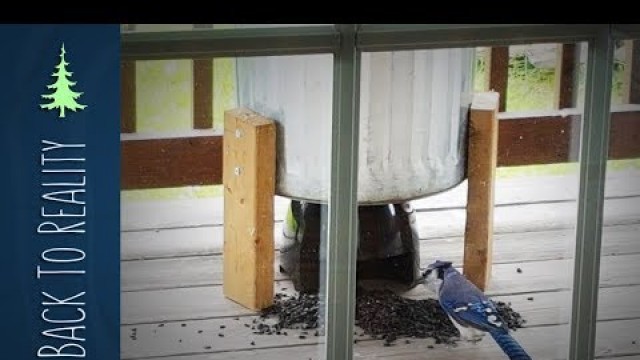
<point x="413" y="126"/>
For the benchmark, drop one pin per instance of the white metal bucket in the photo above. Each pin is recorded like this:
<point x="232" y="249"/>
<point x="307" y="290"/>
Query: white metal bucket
<point x="413" y="120"/>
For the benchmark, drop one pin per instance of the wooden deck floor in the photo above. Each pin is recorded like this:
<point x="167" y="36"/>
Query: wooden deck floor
<point x="173" y="307"/>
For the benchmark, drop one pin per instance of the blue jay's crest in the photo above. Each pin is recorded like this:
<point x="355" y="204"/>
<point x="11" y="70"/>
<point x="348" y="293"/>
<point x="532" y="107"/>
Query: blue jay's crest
<point x="439" y="266"/>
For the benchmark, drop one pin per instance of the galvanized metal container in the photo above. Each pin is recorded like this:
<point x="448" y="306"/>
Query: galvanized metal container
<point x="413" y="120"/>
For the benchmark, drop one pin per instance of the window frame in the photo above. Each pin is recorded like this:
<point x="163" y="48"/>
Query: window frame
<point x="346" y="42"/>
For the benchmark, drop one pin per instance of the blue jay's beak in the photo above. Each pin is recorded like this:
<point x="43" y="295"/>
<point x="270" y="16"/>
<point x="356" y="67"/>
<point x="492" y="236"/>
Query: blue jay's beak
<point x="421" y="279"/>
<point x="417" y="282"/>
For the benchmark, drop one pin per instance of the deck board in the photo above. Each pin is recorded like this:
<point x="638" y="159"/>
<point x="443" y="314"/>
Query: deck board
<point x="208" y="239"/>
<point x="542" y="245"/>
<point x="172" y="263"/>
<point x="539" y="273"/>
<point x="149" y="215"/>
<point x="547" y="342"/>
<point x="179" y="302"/>
<point x="204" y="303"/>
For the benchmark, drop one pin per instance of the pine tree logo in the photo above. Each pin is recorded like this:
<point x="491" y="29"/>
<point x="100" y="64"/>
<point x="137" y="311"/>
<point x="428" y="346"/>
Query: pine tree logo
<point x="62" y="97"/>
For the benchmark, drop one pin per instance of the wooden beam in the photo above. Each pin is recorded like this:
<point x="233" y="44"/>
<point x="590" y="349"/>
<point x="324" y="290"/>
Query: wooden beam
<point x="487" y="72"/>
<point x="249" y="188"/>
<point x="634" y="88"/>
<point x="565" y="76"/>
<point x="624" y="135"/>
<point x="481" y="170"/>
<point x="553" y="139"/>
<point x="538" y="140"/>
<point x="531" y="140"/>
<point x="627" y="59"/>
<point x="158" y="163"/>
<point x="127" y="96"/>
<point x="499" y="73"/>
<point x="202" y="93"/>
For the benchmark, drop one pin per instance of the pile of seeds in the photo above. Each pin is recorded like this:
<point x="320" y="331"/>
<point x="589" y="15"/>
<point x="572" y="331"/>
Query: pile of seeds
<point x="380" y="314"/>
<point x="292" y="312"/>
<point x="387" y="315"/>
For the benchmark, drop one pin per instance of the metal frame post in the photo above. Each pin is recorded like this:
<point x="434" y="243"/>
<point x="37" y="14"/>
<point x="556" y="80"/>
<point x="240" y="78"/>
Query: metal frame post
<point x="594" y="147"/>
<point x="343" y="205"/>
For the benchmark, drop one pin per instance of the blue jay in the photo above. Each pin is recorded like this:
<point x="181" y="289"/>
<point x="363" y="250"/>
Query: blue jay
<point x="469" y="308"/>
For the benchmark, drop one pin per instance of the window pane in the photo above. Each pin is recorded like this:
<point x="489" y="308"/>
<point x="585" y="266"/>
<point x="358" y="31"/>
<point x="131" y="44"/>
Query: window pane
<point x="417" y="201"/>
<point x="184" y="253"/>
<point x="618" y="331"/>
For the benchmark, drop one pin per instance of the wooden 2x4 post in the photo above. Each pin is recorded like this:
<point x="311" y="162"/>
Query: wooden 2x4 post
<point x="481" y="169"/>
<point x="249" y="188"/>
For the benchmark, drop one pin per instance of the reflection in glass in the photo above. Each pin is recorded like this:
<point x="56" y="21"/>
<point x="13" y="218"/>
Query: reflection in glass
<point x="618" y="328"/>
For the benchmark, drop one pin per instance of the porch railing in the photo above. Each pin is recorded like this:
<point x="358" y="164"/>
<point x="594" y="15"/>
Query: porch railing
<point x="541" y="137"/>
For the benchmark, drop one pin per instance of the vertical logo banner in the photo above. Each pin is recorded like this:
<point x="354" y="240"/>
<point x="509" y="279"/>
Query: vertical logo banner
<point x="60" y="141"/>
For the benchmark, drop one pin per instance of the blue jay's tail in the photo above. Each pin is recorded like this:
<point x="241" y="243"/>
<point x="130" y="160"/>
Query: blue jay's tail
<point x="509" y="345"/>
